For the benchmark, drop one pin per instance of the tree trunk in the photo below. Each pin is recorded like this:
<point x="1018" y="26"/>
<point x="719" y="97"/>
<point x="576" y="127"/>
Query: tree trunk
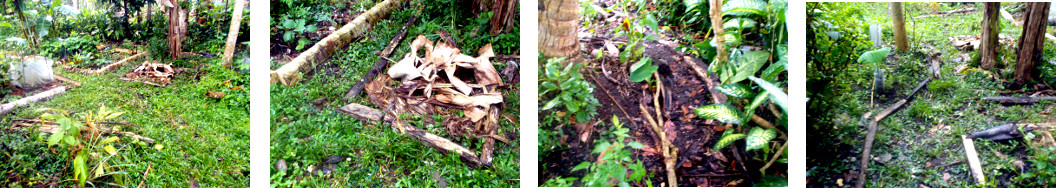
<point x="991" y="25"/>
<point x="503" y="13"/>
<point x="6" y="108"/>
<point x="558" y="25"/>
<point x="1031" y="43"/>
<point x="288" y="74"/>
<point x="232" y="34"/>
<point x="899" y="20"/>
<point x="177" y="26"/>
<point x="720" y="37"/>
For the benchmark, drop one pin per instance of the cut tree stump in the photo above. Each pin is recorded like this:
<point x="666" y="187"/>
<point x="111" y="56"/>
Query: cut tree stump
<point x="380" y="65"/>
<point x="289" y="73"/>
<point x="6" y="108"/>
<point x="973" y="160"/>
<point x="445" y="146"/>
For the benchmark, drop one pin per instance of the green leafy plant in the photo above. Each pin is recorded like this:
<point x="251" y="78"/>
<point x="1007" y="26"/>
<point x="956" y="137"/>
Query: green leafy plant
<point x="635" y="30"/>
<point x="291" y="28"/>
<point x="92" y="153"/>
<point x="643" y="70"/>
<point x="563" y="85"/>
<point x="613" y="165"/>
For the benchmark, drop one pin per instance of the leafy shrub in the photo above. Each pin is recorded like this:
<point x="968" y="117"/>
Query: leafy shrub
<point x="563" y="85"/>
<point x="613" y="165"/>
<point x="92" y="153"/>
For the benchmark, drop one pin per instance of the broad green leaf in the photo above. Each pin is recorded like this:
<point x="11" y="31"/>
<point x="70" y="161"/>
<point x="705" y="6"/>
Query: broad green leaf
<point x="750" y="63"/>
<point x="874" y="56"/>
<point x="736" y="90"/>
<point x="723" y="112"/>
<point x="759" y="99"/>
<point x="772" y="181"/>
<point x="635" y="145"/>
<point x="159" y="146"/>
<point x="71" y="140"/>
<point x="551" y="104"/>
<point x="80" y="169"/>
<point x="114" y="115"/>
<point x="643" y="70"/>
<point x="601" y="147"/>
<point x="581" y="166"/>
<point x="739" y="23"/>
<point x="777" y="95"/>
<point x="727" y="140"/>
<point x="55" y="138"/>
<point x="650" y="21"/>
<point x="758" y="137"/>
<point x="744" y="7"/>
<point x="110" y="149"/>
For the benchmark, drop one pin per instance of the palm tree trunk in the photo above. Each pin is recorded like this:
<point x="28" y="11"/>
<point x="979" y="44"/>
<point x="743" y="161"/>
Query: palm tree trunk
<point x="558" y="22"/>
<point x="232" y="34"/>
<point x="899" y="20"/>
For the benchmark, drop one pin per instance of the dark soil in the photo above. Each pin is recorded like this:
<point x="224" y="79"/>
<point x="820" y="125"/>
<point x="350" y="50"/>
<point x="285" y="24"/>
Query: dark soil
<point x="287" y="50"/>
<point x="698" y="164"/>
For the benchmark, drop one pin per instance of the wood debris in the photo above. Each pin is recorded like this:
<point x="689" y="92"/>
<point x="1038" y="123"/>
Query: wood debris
<point x="152" y="73"/>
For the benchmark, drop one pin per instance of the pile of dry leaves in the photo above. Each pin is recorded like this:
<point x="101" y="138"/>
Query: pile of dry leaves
<point x="441" y="79"/>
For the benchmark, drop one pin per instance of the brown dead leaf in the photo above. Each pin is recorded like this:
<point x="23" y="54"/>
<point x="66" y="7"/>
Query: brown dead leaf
<point x="215" y="95"/>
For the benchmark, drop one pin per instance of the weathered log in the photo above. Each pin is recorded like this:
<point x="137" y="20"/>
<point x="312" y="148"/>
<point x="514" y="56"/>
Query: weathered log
<point x="6" y="108"/>
<point x="67" y="80"/>
<point x="380" y="65"/>
<point x="288" y="74"/>
<point x="973" y="160"/>
<point x="232" y="33"/>
<point x="117" y="64"/>
<point x="445" y="146"/>
<point x="1018" y="100"/>
<point x="944" y="13"/>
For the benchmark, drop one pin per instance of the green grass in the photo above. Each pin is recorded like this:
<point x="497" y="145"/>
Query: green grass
<point x="202" y="139"/>
<point x="380" y="155"/>
<point x="929" y="128"/>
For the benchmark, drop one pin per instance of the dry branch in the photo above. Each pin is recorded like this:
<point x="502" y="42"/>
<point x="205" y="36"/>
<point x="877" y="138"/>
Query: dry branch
<point x="864" y="169"/>
<point x="289" y="74"/>
<point x="973" y="160"/>
<point x="446" y="146"/>
<point x="944" y="13"/>
<point x="1018" y="100"/>
<point x="6" y="108"/>
<point x="380" y="65"/>
<point x="113" y="66"/>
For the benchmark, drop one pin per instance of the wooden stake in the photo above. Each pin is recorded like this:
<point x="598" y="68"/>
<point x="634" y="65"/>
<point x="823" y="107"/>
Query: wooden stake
<point x="973" y="160"/>
<point x="117" y="64"/>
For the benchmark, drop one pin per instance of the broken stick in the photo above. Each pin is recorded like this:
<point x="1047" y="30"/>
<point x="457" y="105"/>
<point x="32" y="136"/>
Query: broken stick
<point x="864" y="170"/>
<point x="117" y="64"/>
<point x="358" y="87"/>
<point x="973" y="160"/>
<point x="445" y="146"/>
<point x="1018" y="100"/>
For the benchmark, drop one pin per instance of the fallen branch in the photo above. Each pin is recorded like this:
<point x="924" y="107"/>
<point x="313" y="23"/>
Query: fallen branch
<point x="776" y="155"/>
<point x="67" y="80"/>
<point x="113" y="66"/>
<point x="445" y="146"/>
<point x="380" y="65"/>
<point x="716" y="96"/>
<point x="1018" y="100"/>
<point x="142" y="81"/>
<point x="288" y="74"/>
<point x="864" y="169"/>
<point x="973" y="160"/>
<point x="6" y="108"/>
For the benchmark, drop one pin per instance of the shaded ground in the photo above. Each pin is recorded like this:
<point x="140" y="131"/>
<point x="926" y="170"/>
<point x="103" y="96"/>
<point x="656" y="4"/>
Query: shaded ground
<point x="920" y="144"/>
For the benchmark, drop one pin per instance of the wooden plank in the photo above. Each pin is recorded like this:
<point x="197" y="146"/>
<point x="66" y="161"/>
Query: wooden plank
<point x="373" y="72"/>
<point x="973" y="160"/>
<point x="864" y="169"/>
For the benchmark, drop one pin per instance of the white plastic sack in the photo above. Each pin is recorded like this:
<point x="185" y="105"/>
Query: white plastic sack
<point x="31" y="72"/>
